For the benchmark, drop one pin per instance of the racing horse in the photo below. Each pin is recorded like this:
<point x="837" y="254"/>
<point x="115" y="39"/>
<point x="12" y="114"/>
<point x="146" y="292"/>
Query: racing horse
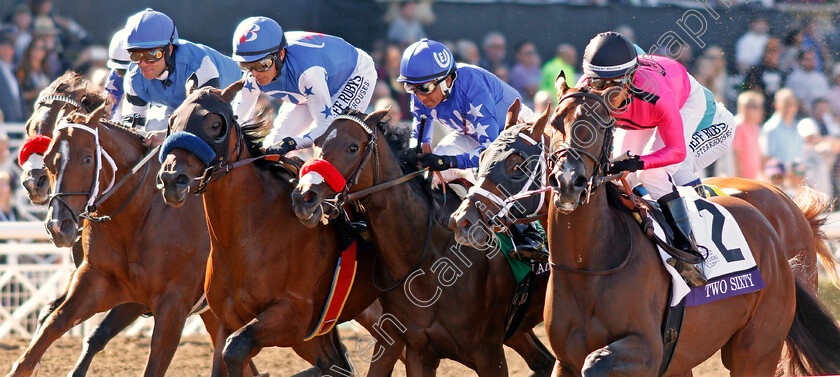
<point x="520" y="172"/>
<point x="268" y="276"/>
<point x="602" y="265"/>
<point x="457" y="310"/>
<point x="71" y="92"/>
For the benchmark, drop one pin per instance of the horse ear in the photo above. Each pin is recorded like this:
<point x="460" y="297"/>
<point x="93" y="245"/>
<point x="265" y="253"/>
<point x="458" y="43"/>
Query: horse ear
<point x="539" y="125"/>
<point x="96" y="114"/>
<point x="560" y="84"/>
<point x="229" y="92"/>
<point x="512" y="114"/>
<point x="190" y="86"/>
<point x="376" y="117"/>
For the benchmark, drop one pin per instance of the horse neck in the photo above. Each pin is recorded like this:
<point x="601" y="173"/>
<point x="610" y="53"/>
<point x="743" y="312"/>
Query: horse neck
<point x="591" y="237"/>
<point x="398" y="218"/>
<point x="127" y="150"/>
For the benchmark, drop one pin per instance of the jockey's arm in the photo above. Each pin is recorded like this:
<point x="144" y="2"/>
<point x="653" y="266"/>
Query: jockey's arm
<point x="245" y="102"/>
<point x="670" y="128"/>
<point x="480" y="113"/>
<point x="313" y="84"/>
<point x="428" y="129"/>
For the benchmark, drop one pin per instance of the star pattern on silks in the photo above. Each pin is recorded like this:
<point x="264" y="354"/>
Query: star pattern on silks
<point x="307" y="91"/>
<point x="481" y="130"/>
<point x="326" y="111"/>
<point x="475" y="111"/>
<point x="248" y="85"/>
<point x="475" y="153"/>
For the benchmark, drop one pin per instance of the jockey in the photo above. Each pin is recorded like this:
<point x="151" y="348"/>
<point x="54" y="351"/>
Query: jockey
<point x="162" y="65"/>
<point x="118" y="61"/>
<point x="317" y="76"/>
<point x="664" y="116"/>
<point x="473" y="103"/>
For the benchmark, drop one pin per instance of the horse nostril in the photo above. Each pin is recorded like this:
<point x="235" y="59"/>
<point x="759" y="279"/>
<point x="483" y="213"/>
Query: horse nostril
<point x="580" y="181"/>
<point x="42" y="180"/>
<point x="182" y="180"/>
<point x="310" y="197"/>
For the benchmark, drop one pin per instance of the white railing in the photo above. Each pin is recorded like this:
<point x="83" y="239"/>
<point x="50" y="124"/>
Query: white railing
<point x="33" y="274"/>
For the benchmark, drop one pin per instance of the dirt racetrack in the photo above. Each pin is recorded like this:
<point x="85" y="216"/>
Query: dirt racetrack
<point x="126" y="356"/>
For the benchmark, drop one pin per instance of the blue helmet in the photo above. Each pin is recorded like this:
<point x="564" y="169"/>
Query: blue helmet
<point x="609" y="55"/>
<point x="150" y="29"/>
<point x="424" y="61"/>
<point x="256" y="38"/>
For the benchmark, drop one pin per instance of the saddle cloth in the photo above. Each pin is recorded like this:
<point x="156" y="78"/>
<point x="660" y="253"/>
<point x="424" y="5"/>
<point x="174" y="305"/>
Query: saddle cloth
<point x="729" y="266"/>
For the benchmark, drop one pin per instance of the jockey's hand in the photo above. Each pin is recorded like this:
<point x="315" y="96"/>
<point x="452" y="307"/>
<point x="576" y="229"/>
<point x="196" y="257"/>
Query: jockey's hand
<point x="437" y="162"/>
<point x="154" y="138"/>
<point x="630" y="165"/>
<point x="287" y="145"/>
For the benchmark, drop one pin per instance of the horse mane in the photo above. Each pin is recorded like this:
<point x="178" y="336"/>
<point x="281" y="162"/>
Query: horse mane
<point x="72" y="81"/>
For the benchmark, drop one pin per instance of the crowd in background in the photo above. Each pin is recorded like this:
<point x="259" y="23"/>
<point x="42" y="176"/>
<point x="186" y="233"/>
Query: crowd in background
<point x="784" y="88"/>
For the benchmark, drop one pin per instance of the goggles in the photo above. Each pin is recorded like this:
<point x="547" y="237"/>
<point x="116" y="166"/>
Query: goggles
<point x="425" y="88"/>
<point x="606" y="83"/>
<point x="150" y="56"/>
<point x="261" y="65"/>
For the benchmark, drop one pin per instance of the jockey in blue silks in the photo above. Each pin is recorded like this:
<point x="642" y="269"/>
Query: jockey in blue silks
<point x="317" y="76"/>
<point x="118" y="61"/>
<point x="473" y="103"/>
<point x="161" y="65"/>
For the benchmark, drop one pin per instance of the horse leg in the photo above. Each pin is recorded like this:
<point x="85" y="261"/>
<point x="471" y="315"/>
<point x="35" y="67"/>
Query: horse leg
<point x="211" y="323"/>
<point x="76" y="256"/>
<point x="749" y="354"/>
<point x="169" y="323"/>
<point x="561" y="371"/>
<point x="491" y="362"/>
<point x="114" y="322"/>
<point x="89" y="294"/>
<point x="632" y="355"/>
<point x="218" y="368"/>
<point x="539" y="358"/>
<point x="416" y="365"/>
<point x="326" y="354"/>
<point x="275" y="326"/>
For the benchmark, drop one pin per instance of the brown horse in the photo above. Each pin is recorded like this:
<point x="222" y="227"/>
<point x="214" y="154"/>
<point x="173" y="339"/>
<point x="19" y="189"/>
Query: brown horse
<point x="608" y="288"/>
<point x="458" y="314"/>
<point x="268" y="276"/>
<point x="158" y="267"/>
<point x="68" y="93"/>
<point x="797" y="222"/>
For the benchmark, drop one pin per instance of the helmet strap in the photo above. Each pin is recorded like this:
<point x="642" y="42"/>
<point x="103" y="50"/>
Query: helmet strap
<point x="446" y="88"/>
<point x="278" y="62"/>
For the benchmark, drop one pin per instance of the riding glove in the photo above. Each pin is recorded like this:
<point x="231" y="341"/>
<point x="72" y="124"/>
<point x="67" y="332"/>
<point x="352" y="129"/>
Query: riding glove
<point x="437" y="162"/>
<point x="287" y="145"/>
<point x="630" y="165"/>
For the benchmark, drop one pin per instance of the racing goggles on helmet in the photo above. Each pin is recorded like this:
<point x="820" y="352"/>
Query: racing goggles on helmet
<point x="150" y="56"/>
<point x="261" y="65"/>
<point x="606" y="83"/>
<point x="424" y="88"/>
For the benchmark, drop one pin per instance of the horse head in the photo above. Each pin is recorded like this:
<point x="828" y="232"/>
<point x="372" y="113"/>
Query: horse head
<point x="342" y="162"/>
<point x="200" y="138"/>
<point x="78" y="170"/>
<point x="66" y="94"/>
<point x="581" y="146"/>
<point x="514" y="164"/>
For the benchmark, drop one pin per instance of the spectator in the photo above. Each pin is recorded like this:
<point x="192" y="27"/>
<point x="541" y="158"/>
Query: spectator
<point x="710" y="71"/>
<point x="10" y="96"/>
<point x="32" y="74"/>
<point x="542" y="99"/>
<point x="806" y="81"/>
<point x="624" y="30"/>
<point x="467" y="52"/>
<point x="7" y="211"/>
<point x="526" y="74"/>
<point x="834" y="93"/>
<point x="779" y="138"/>
<point x="766" y="76"/>
<point x="749" y="47"/>
<point x="45" y="30"/>
<point x="22" y="19"/>
<point x="495" y="48"/>
<point x="813" y="40"/>
<point x="71" y="32"/>
<point x="811" y="167"/>
<point x="393" y="55"/>
<point x="565" y="59"/>
<point x="791" y="47"/>
<point x="91" y="58"/>
<point x="394" y="111"/>
<point x="825" y="118"/>
<point x="745" y="144"/>
<point x="775" y="173"/>
<point x="406" y="29"/>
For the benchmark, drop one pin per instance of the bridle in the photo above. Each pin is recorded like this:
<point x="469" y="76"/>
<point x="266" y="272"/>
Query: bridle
<point x="600" y="173"/>
<point x="505" y="205"/>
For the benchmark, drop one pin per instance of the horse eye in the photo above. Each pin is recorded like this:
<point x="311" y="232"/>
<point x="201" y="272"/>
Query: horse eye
<point x="87" y="159"/>
<point x="353" y="148"/>
<point x="217" y="124"/>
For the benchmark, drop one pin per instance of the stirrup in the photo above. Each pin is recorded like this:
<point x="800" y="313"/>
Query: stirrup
<point x="526" y="253"/>
<point x="692" y="273"/>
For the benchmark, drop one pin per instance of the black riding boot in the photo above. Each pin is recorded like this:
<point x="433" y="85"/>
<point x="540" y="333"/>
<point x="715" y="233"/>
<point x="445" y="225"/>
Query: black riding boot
<point x="675" y="211"/>
<point x="529" y="243"/>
